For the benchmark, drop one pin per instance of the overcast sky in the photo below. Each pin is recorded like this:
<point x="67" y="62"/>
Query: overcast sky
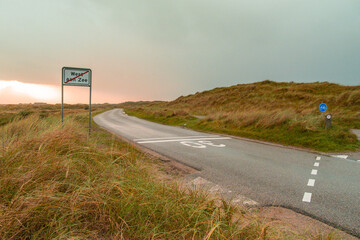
<point x="161" y="49"/>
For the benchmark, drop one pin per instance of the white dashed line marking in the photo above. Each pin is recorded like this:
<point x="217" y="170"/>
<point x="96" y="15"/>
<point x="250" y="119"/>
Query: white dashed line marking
<point x="307" y="197"/>
<point x="184" y="139"/>
<point x="311" y="182"/>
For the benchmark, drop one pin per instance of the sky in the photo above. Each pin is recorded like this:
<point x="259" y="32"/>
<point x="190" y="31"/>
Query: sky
<point x="162" y="49"/>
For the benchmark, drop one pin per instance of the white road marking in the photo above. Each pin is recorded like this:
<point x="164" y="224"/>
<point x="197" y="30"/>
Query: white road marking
<point x="201" y="144"/>
<point x="212" y="144"/>
<point x="164" y="138"/>
<point x="311" y="182"/>
<point x="193" y="144"/>
<point x="340" y="156"/>
<point x="307" y="197"/>
<point x="184" y="139"/>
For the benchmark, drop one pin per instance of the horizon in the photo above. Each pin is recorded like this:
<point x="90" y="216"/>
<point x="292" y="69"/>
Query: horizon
<point x="84" y="94"/>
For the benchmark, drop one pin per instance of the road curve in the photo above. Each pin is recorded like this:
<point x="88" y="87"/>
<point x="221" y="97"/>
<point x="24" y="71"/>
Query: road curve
<point x="323" y="187"/>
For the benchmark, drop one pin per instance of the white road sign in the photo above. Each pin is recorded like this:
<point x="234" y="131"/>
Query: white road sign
<point x="76" y="77"/>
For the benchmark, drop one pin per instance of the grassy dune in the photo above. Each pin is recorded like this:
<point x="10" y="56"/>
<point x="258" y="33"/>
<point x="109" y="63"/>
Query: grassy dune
<point x="285" y="113"/>
<point x="57" y="183"/>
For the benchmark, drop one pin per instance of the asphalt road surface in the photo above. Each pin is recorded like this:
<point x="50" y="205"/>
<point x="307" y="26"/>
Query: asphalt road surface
<point x="326" y="188"/>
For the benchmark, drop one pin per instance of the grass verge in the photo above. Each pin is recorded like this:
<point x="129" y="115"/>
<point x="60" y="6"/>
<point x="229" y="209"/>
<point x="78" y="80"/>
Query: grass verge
<point x="56" y="183"/>
<point x="285" y="113"/>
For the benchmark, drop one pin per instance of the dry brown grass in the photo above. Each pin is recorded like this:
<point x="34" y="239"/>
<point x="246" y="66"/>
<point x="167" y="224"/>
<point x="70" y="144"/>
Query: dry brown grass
<point x="56" y="183"/>
<point x="280" y="112"/>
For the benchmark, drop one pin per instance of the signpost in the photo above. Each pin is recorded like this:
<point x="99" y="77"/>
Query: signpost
<point x="75" y="77"/>
<point x="322" y="107"/>
<point x="328" y="117"/>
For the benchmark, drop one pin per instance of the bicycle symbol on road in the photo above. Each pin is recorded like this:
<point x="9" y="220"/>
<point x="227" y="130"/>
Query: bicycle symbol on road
<point x="201" y="144"/>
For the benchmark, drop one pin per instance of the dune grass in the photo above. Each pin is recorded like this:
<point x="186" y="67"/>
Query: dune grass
<point x="57" y="183"/>
<point x="285" y="113"/>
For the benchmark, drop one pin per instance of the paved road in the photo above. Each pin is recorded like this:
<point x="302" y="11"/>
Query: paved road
<point x="324" y="187"/>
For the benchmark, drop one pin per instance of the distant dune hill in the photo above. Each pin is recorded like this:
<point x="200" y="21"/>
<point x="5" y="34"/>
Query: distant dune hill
<point x="268" y="95"/>
<point x="283" y="112"/>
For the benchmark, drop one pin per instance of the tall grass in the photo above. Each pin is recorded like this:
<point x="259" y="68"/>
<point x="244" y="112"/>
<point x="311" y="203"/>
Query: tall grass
<point x="56" y="183"/>
<point x="286" y="113"/>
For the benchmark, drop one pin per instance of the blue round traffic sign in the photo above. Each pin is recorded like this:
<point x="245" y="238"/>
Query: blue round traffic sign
<point x="322" y="107"/>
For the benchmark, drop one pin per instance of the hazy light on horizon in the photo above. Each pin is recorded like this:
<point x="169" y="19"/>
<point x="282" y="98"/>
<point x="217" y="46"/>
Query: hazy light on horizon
<point x="38" y="92"/>
<point x="13" y="91"/>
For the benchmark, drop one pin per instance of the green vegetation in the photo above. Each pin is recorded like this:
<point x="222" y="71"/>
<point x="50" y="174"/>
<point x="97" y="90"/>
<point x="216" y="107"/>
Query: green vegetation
<point x="285" y="113"/>
<point x="11" y="112"/>
<point x="57" y="183"/>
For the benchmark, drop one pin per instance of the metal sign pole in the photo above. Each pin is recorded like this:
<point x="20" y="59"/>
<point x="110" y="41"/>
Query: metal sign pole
<point x="3" y="141"/>
<point x="62" y="97"/>
<point x="90" y="109"/>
